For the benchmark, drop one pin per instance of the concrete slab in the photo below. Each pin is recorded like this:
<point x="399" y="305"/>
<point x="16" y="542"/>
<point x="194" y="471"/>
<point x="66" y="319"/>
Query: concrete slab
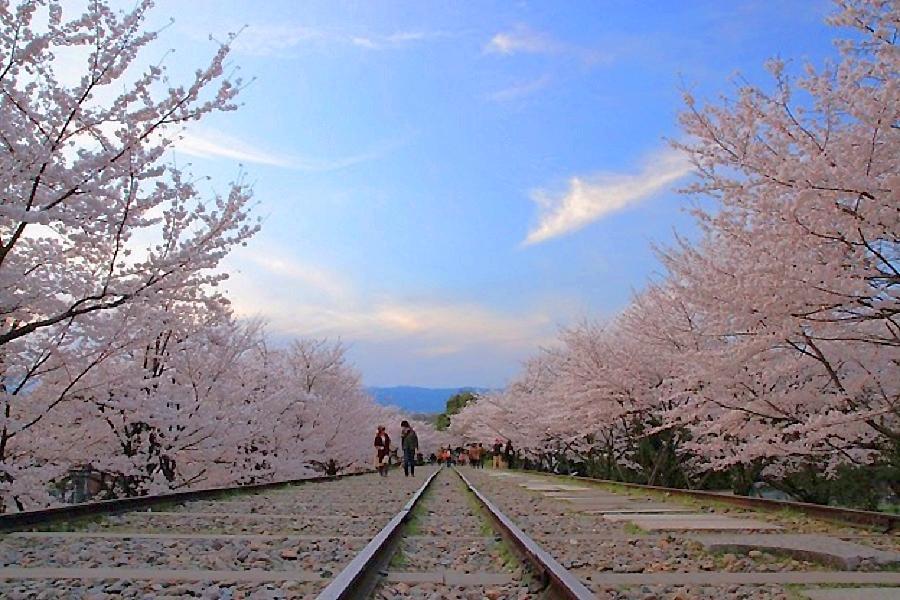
<point x="445" y="577"/>
<point x="721" y="578"/>
<point x="599" y="499"/>
<point x="648" y="510"/>
<point x="166" y="575"/>
<point x="819" y="548"/>
<point x="250" y="515"/>
<point x="697" y="522"/>
<point x="415" y="577"/>
<point x="178" y="536"/>
<point x="583" y="496"/>
<point x="545" y="487"/>
<point x="456" y="578"/>
<point x="871" y="593"/>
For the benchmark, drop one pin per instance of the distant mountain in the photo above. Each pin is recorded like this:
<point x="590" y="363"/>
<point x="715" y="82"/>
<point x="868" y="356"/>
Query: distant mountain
<point x="417" y="399"/>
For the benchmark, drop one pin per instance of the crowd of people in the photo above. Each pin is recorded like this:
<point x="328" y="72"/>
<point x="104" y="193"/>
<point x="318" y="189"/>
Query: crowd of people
<point x="474" y="454"/>
<point x="503" y="455"/>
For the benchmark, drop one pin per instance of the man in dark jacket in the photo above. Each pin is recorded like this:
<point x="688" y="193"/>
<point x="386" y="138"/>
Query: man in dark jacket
<point x="409" y="442"/>
<point x="509" y="455"/>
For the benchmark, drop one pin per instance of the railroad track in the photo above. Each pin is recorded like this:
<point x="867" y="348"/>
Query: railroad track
<point x="272" y="541"/>
<point x="638" y="543"/>
<point x="435" y="536"/>
<point x="456" y="534"/>
<point x="885" y="522"/>
<point x="451" y="541"/>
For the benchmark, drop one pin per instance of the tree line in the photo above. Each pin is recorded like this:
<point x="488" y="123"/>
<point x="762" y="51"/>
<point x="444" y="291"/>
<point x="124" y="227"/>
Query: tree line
<point x="120" y="356"/>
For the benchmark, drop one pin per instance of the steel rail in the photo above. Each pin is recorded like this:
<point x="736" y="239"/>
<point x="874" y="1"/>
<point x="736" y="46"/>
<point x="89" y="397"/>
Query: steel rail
<point x="21" y="520"/>
<point x="885" y="522"/>
<point x="360" y="577"/>
<point x="560" y="582"/>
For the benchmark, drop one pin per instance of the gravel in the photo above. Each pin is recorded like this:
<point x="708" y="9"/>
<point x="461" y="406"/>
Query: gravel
<point x="216" y="554"/>
<point x="448" y="532"/>
<point x="322" y="513"/>
<point x="434" y="591"/>
<point x="589" y="544"/>
<point x="74" y="589"/>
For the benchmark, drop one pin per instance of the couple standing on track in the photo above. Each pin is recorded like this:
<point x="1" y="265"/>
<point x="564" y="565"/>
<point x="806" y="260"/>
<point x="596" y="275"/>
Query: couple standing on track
<point x="409" y="444"/>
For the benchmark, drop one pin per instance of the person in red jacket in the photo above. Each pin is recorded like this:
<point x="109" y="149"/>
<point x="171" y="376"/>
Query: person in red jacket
<point x="382" y="451"/>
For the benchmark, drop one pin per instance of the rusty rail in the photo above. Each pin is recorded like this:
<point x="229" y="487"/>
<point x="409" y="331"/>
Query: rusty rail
<point x="885" y="522"/>
<point x="360" y="577"/>
<point x="560" y="582"/>
<point x="56" y="514"/>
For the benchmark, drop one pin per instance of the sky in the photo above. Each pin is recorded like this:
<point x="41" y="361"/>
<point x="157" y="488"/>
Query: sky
<point x="443" y="185"/>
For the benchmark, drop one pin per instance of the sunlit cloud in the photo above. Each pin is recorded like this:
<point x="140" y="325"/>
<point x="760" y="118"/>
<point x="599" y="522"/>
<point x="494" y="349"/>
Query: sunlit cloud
<point x="309" y="279"/>
<point x="521" y="90"/>
<point x="214" y="144"/>
<point x="521" y="39"/>
<point x="300" y="299"/>
<point x="588" y="199"/>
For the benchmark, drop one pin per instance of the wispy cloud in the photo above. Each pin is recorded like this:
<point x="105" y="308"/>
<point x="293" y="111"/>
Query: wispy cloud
<point x="521" y="39"/>
<point x="212" y="144"/>
<point x="274" y="39"/>
<point x="312" y="279"/>
<point x="266" y="40"/>
<point x="520" y="90"/>
<point x="301" y="299"/>
<point x="215" y="144"/>
<point x="588" y="199"/>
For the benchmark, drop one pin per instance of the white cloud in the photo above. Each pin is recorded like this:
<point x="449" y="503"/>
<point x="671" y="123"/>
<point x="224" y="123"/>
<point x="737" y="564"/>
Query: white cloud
<point x="266" y="40"/>
<point x="521" y="39"/>
<point x="214" y="144"/>
<point x="275" y="39"/>
<point x="302" y="275"/>
<point x="520" y="90"/>
<point x="364" y="42"/>
<point x="300" y="299"/>
<point x="210" y="144"/>
<point x="589" y="199"/>
<point x="392" y="338"/>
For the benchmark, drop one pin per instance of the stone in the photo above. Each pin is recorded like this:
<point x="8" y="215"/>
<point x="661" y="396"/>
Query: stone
<point x="811" y="547"/>
<point x="853" y="594"/>
<point x="692" y="522"/>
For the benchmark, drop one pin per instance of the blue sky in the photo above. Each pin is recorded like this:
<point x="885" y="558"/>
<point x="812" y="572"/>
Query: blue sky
<point x="444" y="185"/>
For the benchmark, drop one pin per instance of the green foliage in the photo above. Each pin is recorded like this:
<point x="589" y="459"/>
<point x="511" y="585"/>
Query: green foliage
<point x="455" y="404"/>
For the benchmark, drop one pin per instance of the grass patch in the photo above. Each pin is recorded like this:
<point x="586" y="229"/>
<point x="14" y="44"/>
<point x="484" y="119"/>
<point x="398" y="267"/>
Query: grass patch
<point x="413" y="525"/>
<point x="632" y="529"/>
<point x="399" y="559"/>
<point x="508" y="558"/>
<point x="73" y="524"/>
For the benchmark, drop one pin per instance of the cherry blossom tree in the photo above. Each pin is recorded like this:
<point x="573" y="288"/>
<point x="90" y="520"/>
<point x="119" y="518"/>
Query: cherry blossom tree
<point x="798" y="272"/>
<point x="95" y="224"/>
<point x="772" y="347"/>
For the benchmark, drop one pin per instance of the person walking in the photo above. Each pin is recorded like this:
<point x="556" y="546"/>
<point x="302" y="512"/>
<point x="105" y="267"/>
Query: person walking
<point x="409" y="442"/>
<point x="382" y="451"/>
<point x="482" y="453"/>
<point x="509" y="454"/>
<point x="473" y="455"/>
<point x="498" y="453"/>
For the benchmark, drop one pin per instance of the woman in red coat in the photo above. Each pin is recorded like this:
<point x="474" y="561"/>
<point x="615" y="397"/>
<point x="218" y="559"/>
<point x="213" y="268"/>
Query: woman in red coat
<point x="382" y="451"/>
